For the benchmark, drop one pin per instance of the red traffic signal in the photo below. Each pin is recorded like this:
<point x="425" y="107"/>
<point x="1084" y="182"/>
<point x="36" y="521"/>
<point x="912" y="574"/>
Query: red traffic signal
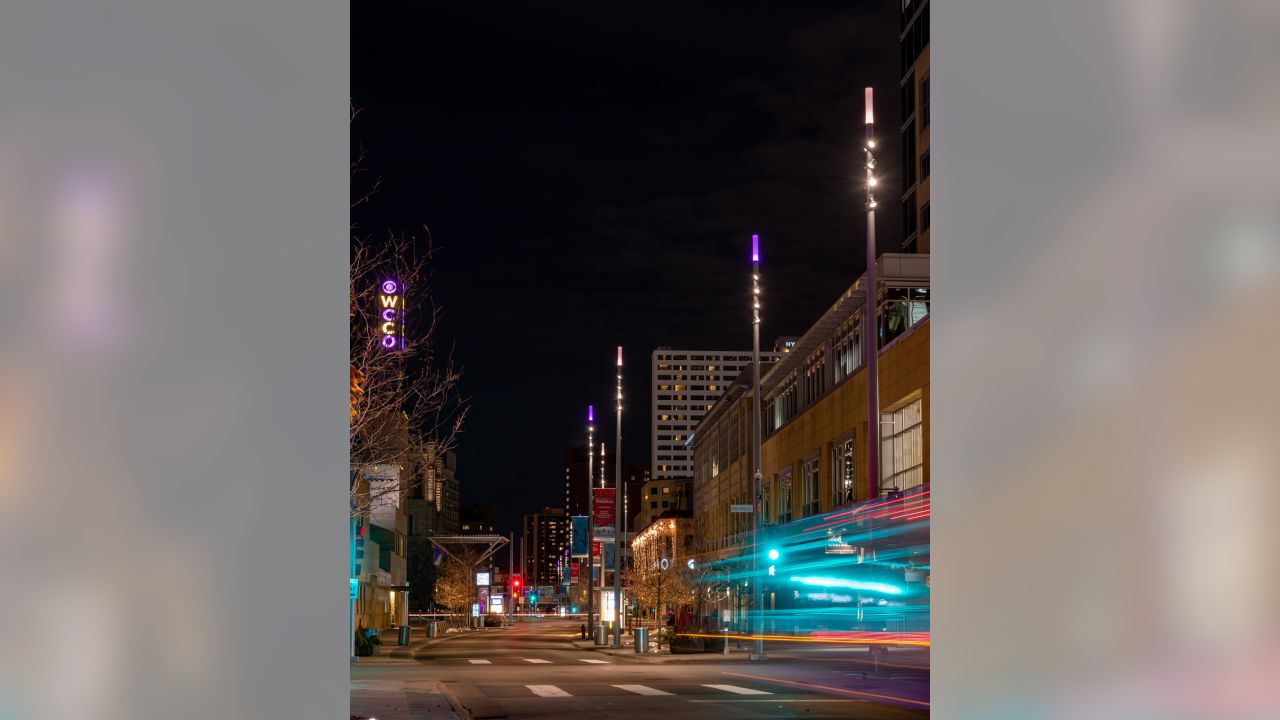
<point x="516" y="582"/>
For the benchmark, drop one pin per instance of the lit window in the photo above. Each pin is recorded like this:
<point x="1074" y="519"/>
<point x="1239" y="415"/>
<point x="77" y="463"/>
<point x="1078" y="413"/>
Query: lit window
<point x="902" y="448"/>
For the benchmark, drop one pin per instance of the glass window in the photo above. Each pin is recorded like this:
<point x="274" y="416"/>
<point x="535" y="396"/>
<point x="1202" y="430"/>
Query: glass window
<point x="784" y="498"/>
<point x="843" y="473"/>
<point x="810" y="486"/>
<point x="902" y="448"/>
<point x="924" y="101"/>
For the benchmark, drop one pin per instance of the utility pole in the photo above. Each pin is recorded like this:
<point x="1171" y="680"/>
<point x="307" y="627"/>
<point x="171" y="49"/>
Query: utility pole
<point x="617" y="504"/>
<point x="757" y="643"/>
<point x="870" y="336"/>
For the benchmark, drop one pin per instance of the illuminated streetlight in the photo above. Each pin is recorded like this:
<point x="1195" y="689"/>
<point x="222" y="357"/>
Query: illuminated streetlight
<point x="757" y="645"/>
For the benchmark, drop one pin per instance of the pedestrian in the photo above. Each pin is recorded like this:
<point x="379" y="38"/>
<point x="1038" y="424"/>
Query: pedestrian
<point x="582" y="630"/>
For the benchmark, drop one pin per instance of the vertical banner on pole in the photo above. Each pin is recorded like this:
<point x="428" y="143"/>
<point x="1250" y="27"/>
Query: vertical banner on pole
<point x="610" y="555"/>
<point x="603" y="514"/>
<point x="579" y="540"/>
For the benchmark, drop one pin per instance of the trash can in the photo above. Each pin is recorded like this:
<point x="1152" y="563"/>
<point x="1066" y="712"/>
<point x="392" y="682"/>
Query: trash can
<point x="404" y="635"/>
<point x="432" y="629"/>
<point x="602" y="635"/>
<point x="642" y="640"/>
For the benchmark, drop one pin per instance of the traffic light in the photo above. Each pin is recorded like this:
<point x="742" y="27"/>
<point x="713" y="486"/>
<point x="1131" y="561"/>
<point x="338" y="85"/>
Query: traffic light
<point x="773" y="553"/>
<point x="533" y="599"/>
<point x="516" y="582"/>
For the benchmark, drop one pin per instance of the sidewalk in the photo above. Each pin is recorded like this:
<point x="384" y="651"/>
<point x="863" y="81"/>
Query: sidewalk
<point x="389" y="653"/>
<point x="398" y="700"/>
<point x="660" y="656"/>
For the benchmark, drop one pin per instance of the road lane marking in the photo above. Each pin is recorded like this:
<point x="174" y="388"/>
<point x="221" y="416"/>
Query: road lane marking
<point x="784" y="700"/>
<point x="642" y="690"/>
<point x="738" y="690"/>
<point x="547" y="691"/>
<point x="537" y="660"/>
<point x="834" y="689"/>
<point x="596" y="662"/>
<point x="479" y="662"/>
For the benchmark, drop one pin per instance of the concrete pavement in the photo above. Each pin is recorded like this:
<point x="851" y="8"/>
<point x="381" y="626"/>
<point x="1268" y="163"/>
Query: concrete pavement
<point x="535" y="670"/>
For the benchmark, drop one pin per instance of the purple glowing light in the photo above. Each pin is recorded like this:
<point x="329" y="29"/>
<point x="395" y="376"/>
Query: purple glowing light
<point x="388" y="341"/>
<point x="755" y="248"/>
<point x="389" y="314"/>
<point x="389" y="287"/>
<point x="591" y="413"/>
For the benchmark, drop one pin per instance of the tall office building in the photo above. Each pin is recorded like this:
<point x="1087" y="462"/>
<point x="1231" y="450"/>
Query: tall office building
<point x="913" y="41"/>
<point x="684" y="385"/>
<point x="546" y="537"/>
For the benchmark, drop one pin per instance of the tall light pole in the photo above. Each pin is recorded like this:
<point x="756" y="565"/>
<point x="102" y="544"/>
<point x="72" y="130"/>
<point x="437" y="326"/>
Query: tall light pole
<point x="617" y="504"/>
<point x="591" y="447"/>
<point x="757" y="644"/>
<point x="603" y="471"/>
<point x="870" y="334"/>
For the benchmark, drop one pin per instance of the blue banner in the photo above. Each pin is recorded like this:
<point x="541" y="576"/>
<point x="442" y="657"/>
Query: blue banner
<point x="579" y="546"/>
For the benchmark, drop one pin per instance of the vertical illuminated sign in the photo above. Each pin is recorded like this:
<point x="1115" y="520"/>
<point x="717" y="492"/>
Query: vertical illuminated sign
<point x="391" y="315"/>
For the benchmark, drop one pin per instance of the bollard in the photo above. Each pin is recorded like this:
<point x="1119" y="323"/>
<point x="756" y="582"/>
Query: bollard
<point x="404" y="635"/>
<point x="726" y="639"/>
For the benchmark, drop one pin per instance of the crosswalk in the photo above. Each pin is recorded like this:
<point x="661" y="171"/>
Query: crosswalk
<point x="516" y="660"/>
<point x="557" y="691"/>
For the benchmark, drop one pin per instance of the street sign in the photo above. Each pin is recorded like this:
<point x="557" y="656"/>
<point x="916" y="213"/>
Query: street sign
<point x="603" y="514"/>
<point x="355" y="588"/>
<point x="482" y="578"/>
<point x="475" y="609"/>
<point x="740" y="508"/>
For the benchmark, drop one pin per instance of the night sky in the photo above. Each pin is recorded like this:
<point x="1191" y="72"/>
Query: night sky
<point x="592" y="174"/>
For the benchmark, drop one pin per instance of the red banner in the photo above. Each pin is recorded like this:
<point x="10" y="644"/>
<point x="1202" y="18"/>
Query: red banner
<point x="573" y="571"/>
<point x="603" y="515"/>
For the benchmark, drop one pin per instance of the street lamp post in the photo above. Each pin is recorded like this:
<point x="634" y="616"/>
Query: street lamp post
<point x="600" y="589"/>
<point x="870" y="337"/>
<point x="617" y="536"/>
<point x="757" y="644"/>
<point x="591" y="443"/>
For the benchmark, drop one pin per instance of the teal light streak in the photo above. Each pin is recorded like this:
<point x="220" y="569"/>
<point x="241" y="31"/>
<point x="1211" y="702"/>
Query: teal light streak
<point x="833" y="582"/>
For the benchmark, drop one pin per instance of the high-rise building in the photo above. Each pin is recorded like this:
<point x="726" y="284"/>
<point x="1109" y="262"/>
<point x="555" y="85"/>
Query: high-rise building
<point x="546" y="536"/>
<point x="432" y="509"/>
<point x="913" y="41"/>
<point x="683" y="387"/>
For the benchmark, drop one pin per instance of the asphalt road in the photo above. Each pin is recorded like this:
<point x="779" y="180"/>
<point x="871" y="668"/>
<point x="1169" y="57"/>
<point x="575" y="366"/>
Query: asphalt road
<point x="532" y="671"/>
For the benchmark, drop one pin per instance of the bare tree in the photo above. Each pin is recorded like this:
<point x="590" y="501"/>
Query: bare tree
<point x="406" y="411"/>
<point x="455" y="583"/>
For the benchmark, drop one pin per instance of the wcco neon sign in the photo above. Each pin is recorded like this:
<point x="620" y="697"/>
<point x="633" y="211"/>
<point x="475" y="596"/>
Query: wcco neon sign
<point x="391" y="314"/>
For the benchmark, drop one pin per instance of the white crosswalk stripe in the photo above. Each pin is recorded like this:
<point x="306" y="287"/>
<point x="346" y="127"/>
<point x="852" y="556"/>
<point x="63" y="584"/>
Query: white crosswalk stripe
<point x="738" y="690"/>
<point x="594" y="662"/>
<point x="479" y="662"/>
<point x="547" y="691"/>
<point x="642" y="690"/>
<point x="537" y="660"/>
